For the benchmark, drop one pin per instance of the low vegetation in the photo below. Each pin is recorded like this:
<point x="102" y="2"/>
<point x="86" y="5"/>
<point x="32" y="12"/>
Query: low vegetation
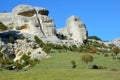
<point x="6" y="63"/>
<point x="95" y="38"/>
<point x="2" y="27"/>
<point x="71" y="63"/>
<point x="87" y="58"/>
<point x="59" y="67"/>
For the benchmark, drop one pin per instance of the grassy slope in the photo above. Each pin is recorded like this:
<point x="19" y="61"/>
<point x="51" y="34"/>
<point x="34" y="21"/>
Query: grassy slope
<point x="58" y="67"/>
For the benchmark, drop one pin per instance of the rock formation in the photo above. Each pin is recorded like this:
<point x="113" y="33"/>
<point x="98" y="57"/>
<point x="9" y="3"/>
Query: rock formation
<point x="75" y="30"/>
<point x="32" y="21"/>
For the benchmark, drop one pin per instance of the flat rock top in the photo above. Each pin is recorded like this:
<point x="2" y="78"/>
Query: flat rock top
<point x="22" y="8"/>
<point x="74" y="18"/>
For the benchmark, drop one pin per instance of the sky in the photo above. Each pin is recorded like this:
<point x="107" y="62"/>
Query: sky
<point x="101" y="17"/>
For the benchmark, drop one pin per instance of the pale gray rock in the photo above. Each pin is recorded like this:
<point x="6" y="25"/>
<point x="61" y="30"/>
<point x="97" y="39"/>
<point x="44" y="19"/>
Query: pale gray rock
<point x="39" y="54"/>
<point x="31" y="20"/>
<point x="34" y="21"/>
<point x="117" y="42"/>
<point x="75" y="30"/>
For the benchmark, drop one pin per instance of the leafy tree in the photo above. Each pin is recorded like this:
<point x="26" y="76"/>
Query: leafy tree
<point x="116" y="50"/>
<point x="87" y="57"/>
<point x="111" y="46"/>
<point x="94" y="37"/>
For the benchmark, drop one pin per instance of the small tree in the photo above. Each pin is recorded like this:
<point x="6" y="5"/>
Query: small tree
<point x="116" y="50"/>
<point x="18" y="65"/>
<point x="87" y="58"/>
<point x="38" y="41"/>
<point x="47" y="47"/>
<point x="73" y="64"/>
<point x="26" y="59"/>
<point x="1" y="55"/>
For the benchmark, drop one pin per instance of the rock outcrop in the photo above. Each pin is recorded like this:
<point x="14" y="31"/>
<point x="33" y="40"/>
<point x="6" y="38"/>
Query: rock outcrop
<point x="34" y="21"/>
<point x="75" y="30"/>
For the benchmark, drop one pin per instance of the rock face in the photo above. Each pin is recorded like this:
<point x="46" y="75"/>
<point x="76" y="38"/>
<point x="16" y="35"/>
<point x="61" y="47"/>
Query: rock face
<point x="117" y="42"/>
<point x="75" y="30"/>
<point x="34" y="21"/>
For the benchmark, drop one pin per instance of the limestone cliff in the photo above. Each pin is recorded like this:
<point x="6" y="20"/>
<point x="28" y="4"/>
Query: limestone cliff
<point x="32" y="21"/>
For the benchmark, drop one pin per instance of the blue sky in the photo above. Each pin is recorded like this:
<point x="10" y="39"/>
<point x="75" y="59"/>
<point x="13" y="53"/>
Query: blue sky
<point x="102" y="17"/>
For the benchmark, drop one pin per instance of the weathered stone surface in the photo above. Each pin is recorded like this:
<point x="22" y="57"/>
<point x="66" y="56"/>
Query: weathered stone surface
<point x="74" y="30"/>
<point x="117" y="42"/>
<point x="30" y="21"/>
<point x="35" y="21"/>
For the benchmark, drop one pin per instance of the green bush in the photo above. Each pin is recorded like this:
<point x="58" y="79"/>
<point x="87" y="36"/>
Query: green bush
<point x="21" y="36"/>
<point x="87" y="57"/>
<point x="18" y="65"/>
<point x="2" y="27"/>
<point x="116" y="50"/>
<point x="38" y="41"/>
<point x="47" y="47"/>
<point x="94" y="37"/>
<point x="73" y="64"/>
<point x="11" y="39"/>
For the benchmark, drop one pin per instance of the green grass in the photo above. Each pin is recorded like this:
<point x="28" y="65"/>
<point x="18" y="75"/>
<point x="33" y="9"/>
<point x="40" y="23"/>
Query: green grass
<point x="59" y="67"/>
<point x="60" y="74"/>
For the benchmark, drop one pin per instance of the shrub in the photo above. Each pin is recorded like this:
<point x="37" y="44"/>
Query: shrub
<point x="47" y="47"/>
<point x="95" y="66"/>
<point x="94" y="37"/>
<point x="114" y="69"/>
<point x="93" y="51"/>
<point x="116" y="50"/>
<point x="65" y="47"/>
<point x="87" y="57"/>
<point x="73" y="64"/>
<point x="2" y="27"/>
<point x="38" y="41"/>
<point x="98" y="67"/>
<point x="18" y="65"/>
<point x="11" y="39"/>
<point x="73" y="48"/>
<point x="21" y="36"/>
<point x="58" y="47"/>
<point x="27" y="40"/>
<point x="1" y="55"/>
<point x="26" y="59"/>
<point x="106" y="55"/>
